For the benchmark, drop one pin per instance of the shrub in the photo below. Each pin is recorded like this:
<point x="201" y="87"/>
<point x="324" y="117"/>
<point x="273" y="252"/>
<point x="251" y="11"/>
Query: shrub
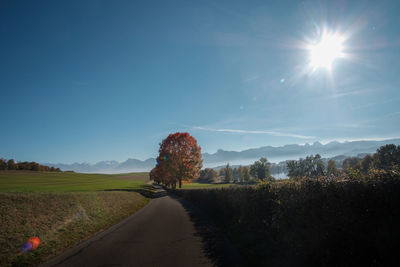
<point x="309" y="222"/>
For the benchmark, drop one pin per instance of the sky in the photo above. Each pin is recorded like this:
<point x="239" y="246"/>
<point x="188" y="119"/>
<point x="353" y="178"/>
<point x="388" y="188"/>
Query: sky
<point x="85" y="81"/>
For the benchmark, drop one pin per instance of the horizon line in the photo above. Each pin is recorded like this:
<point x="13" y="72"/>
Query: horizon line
<point x="323" y="142"/>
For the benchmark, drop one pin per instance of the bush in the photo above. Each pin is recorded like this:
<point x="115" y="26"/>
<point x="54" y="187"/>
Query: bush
<point x="309" y="222"/>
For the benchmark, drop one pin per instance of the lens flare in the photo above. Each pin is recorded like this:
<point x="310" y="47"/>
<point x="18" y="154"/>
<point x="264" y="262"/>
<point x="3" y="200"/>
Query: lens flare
<point x="32" y="244"/>
<point x="26" y="247"/>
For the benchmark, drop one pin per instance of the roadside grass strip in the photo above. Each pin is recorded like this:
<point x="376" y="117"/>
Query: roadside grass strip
<point x="60" y="220"/>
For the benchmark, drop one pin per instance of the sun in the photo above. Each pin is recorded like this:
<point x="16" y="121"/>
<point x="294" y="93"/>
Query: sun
<point x="326" y="50"/>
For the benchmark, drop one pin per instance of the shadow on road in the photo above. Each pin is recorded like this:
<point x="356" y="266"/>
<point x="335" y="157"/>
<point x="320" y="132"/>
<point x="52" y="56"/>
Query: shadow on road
<point x="146" y="191"/>
<point x="215" y="244"/>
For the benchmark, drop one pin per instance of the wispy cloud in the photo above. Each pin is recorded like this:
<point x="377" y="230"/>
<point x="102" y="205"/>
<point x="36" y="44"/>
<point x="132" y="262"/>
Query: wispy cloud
<point x="355" y="92"/>
<point x="251" y="78"/>
<point x="274" y="133"/>
<point x="376" y="103"/>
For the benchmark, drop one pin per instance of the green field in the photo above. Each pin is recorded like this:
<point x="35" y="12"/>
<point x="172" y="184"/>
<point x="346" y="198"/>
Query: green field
<point x="62" y="209"/>
<point x="81" y="182"/>
<point x="65" y="208"/>
<point x="15" y="181"/>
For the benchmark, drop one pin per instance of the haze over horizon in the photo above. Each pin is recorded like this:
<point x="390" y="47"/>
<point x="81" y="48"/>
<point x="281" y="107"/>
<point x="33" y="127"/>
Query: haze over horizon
<point x="86" y="81"/>
<point x="274" y="154"/>
<point x="273" y="159"/>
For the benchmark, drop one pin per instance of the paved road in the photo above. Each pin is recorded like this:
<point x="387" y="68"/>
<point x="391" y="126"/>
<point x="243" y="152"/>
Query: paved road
<point x="160" y="234"/>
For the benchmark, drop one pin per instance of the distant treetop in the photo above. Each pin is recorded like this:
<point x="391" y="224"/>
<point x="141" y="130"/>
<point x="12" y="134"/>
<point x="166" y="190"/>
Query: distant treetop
<point x="11" y="165"/>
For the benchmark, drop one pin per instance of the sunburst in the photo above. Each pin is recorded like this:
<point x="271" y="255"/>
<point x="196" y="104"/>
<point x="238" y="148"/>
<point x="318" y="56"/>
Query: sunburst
<point x="326" y="50"/>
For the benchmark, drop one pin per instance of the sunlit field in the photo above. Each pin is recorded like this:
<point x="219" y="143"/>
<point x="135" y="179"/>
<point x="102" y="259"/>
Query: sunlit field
<point x="62" y="209"/>
<point x="11" y="181"/>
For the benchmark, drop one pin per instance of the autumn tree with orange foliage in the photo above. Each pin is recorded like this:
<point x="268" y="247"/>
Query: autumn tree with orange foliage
<point x="179" y="159"/>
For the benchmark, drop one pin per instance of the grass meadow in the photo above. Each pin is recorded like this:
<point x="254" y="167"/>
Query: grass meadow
<point x="62" y="209"/>
<point x="17" y="181"/>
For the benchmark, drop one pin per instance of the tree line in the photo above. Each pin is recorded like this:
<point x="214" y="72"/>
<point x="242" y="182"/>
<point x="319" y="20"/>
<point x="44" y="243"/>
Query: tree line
<point x="258" y="171"/>
<point x="180" y="160"/>
<point x="11" y="165"/>
<point x="385" y="160"/>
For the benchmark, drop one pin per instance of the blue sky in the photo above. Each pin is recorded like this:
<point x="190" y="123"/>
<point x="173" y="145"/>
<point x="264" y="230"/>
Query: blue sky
<point x="101" y="80"/>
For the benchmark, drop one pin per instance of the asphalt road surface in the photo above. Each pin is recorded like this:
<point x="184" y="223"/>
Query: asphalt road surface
<point x="160" y="234"/>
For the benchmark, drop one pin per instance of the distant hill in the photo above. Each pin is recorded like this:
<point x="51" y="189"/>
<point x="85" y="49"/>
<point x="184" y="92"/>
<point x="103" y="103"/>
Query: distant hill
<point x="245" y="157"/>
<point x="112" y="166"/>
<point x="294" y="151"/>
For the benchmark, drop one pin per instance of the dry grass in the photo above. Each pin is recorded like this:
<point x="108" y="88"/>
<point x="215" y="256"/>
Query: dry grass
<point x="60" y="220"/>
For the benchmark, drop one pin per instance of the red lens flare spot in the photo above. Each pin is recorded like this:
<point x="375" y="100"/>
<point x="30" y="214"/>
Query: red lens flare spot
<point x="32" y="244"/>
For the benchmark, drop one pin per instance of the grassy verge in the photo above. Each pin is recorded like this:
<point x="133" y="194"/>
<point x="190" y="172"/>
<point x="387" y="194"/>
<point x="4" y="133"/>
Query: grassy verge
<point x="62" y="209"/>
<point x="354" y="223"/>
<point x="204" y="186"/>
<point x="60" y="220"/>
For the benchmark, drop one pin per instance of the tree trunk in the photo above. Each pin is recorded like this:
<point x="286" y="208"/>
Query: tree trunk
<point x="180" y="183"/>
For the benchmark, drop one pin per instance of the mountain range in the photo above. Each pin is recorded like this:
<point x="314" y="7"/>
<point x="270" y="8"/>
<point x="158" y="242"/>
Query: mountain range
<point x="274" y="154"/>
